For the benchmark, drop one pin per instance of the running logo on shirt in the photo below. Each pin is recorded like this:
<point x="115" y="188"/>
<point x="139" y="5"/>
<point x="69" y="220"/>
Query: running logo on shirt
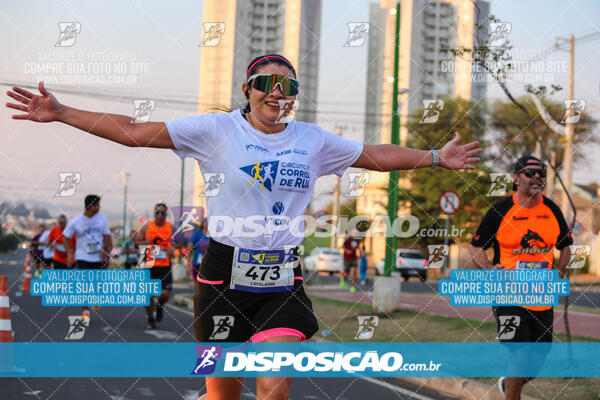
<point x="263" y="174"/>
<point x="532" y="243"/>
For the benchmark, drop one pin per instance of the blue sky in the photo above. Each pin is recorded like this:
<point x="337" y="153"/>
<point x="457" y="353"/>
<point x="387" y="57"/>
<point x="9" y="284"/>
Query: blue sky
<point x="165" y="36"/>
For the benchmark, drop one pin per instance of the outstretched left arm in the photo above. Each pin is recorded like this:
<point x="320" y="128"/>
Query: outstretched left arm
<point x="389" y="157"/>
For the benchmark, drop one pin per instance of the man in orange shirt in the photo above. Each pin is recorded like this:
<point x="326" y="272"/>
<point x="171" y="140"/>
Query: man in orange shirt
<point x="157" y="236"/>
<point x="60" y="258"/>
<point x="524" y="229"/>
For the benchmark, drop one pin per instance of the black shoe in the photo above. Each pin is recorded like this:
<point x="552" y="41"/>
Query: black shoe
<point x="151" y="323"/>
<point x="159" y="312"/>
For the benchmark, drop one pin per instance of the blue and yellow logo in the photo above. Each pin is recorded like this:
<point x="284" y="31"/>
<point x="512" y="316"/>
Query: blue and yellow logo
<point x="263" y="173"/>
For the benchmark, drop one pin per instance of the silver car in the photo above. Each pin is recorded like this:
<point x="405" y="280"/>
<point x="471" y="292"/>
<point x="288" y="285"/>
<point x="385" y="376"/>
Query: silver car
<point x="409" y="262"/>
<point x="323" y="259"/>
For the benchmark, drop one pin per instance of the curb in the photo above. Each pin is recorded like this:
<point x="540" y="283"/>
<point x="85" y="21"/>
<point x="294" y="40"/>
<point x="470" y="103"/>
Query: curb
<point x="184" y="300"/>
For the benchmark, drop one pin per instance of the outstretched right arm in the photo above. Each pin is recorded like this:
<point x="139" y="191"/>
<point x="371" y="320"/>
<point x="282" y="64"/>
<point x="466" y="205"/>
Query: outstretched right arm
<point x="116" y="128"/>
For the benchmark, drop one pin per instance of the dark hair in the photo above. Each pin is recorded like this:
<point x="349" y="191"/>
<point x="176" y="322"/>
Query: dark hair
<point x="62" y="216"/>
<point x="91" y="200"/>
<point x="265" y="59"/>
<point x="161" y="205"/>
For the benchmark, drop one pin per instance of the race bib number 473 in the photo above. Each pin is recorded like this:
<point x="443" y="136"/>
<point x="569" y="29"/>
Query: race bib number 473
<point x="263" y="271"/>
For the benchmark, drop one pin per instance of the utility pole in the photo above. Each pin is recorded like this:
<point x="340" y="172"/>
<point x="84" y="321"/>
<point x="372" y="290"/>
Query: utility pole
<point x="125" y="176"/>
<point x="181" y="200"/>
<point x="550" y="179"/>
<point x="336" y="198"/>
<point x="181" y="184"/>
<point x="568" y="160"/>
<point x="390" y="241"/>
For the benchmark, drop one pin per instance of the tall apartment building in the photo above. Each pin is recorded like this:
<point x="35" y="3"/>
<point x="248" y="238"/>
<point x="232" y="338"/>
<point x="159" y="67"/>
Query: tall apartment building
<point x="251" y="28"/>
<point x="425" y="72"/>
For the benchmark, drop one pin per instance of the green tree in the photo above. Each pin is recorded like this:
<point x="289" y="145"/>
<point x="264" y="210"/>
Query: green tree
<point x="426" y="184"/>
<point x="516" y="134"/>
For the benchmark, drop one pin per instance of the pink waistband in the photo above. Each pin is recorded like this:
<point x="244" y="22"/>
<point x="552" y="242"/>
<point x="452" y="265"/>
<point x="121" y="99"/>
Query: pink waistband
<point x="298" y="278"/>
<point x="270" y="333"/>
<point x="208" y="282"/>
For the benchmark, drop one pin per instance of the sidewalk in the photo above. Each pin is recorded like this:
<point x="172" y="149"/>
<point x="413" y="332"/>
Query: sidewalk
<point x="582" y="324"/>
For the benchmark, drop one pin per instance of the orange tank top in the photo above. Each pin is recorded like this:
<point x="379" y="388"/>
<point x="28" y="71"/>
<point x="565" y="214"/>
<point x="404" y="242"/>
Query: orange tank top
<point x="161" y="236"/>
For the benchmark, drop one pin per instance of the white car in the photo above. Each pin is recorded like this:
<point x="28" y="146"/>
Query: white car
<point x="323" y="259"/>
<point x="409" y="262"/>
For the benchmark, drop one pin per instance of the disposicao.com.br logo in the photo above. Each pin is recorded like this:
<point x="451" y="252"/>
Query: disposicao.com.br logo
<point x="294" y="363"/>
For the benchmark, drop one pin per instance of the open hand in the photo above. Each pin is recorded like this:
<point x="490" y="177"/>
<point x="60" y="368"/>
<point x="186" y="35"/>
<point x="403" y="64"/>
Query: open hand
<point x="454" y="156"/>
<point x="44" y="108"/>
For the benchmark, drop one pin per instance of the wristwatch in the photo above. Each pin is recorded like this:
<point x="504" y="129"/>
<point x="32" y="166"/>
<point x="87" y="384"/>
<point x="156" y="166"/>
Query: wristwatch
<point x="436" y="158"/>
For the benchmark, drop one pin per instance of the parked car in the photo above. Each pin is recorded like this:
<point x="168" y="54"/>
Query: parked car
<point x="409" y="262"/>
<point x="323" y="259"/>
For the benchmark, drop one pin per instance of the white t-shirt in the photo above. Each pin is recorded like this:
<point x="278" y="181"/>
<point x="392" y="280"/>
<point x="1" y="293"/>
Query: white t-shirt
<point x="90" y="233"/>
<point x="48" y="250"/>
<point x="266" y="175"/>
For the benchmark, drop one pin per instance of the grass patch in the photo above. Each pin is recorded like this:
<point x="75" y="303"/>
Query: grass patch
<point x="339" y="317"/>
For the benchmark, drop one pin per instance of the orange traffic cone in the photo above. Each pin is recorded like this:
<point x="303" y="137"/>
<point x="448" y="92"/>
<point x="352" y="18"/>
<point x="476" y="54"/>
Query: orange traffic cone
<point x="26" y="279"/>
<point x="7" y="363"/>
<point x="26" y="263"/>
<point x="5" y="327"/>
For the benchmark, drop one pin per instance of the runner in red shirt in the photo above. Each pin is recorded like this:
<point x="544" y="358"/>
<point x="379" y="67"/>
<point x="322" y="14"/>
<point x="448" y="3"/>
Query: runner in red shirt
<point x="60" y="258"/>
<point x="350" y="261"/>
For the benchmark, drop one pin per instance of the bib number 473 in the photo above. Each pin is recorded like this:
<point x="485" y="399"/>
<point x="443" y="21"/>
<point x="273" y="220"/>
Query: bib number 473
<point x="261" y="273"/>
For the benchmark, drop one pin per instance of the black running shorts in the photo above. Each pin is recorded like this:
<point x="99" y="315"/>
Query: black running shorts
<point x="229" y="315"/>
<point x="58" y="265"/>
<point x="81" y="264"/>
<point x="164" y="274"/>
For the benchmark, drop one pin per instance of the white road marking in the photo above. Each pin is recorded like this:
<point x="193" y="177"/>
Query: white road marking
<point x="144" y="391"/>
<point x="157" y="333"/>
<point x="108" y="330"/>
<point x="191" y="395"/>
<point x="172" y="307"/>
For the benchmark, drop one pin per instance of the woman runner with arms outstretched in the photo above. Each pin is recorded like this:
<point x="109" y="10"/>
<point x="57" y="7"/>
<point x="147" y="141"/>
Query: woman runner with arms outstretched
<point x="245" y="145"/>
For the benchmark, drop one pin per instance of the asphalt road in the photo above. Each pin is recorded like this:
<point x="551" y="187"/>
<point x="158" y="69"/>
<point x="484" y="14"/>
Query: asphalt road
<point x="33" y="322"/>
